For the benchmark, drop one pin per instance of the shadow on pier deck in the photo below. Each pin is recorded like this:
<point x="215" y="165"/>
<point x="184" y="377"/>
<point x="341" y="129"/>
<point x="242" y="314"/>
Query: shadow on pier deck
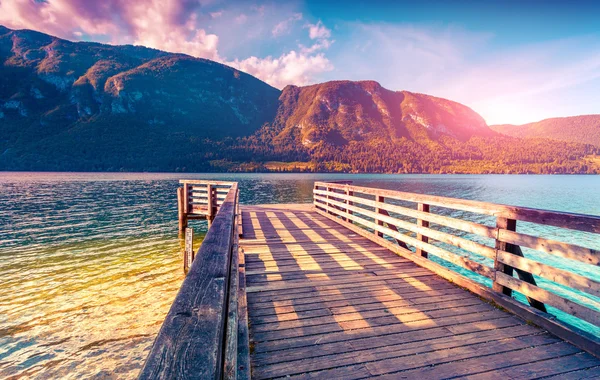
<point x="377" y="283"/>
<point x="325" y="302"/>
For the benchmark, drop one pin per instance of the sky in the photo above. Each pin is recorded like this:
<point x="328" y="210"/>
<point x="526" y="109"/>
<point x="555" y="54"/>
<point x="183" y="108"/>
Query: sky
<point x="511" y="61"/>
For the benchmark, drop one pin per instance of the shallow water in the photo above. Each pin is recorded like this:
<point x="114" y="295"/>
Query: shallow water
<point x="90" y="263"/>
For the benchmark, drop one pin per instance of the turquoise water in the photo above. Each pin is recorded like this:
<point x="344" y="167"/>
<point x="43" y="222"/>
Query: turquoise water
<point x="90" y="262"/>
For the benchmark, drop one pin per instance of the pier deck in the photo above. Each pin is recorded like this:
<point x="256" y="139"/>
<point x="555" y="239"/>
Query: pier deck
<point x="376" y="283"/>
<point x="325" y="302"/>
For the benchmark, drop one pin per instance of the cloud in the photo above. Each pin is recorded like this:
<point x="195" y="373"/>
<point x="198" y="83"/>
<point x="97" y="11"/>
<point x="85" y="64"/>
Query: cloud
<point x="192" y="27"/>
<point x="291" y="68"/>
<point x="284" y="26"/>
<point x="318" y="31"/>
<point x="241" y="19"/>
<point x="295" y="67"/>
<point x="159" y="24"/>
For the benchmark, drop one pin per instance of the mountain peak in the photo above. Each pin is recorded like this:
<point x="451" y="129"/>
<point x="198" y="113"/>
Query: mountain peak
<point x="339" y="112"/>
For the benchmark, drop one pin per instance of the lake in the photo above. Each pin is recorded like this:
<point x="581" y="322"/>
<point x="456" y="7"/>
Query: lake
<point x="90" y="262"/>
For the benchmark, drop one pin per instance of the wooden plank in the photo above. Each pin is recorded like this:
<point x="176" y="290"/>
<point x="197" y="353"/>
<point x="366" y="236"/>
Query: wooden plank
<point x="333" y="354"/>
<point x="335" y="315"/>
<point x="299" y="296"/>
<point x="349" y="280"/>
<point x="384" y="294"/>
<point x="431" y="341"/>
<point x="592" y="373"/>
<point x="477" y="358"/>
<point x="315" y="341"/>
<point x="557" y="275"/>
<point x="359" y="246"/>
<point x="231" y="333"/>
<point x="316" y="251"/>
<point x="557" y="248"/>
<point x="568" y="306"/>
<point x="580" y="222"/>
<point x="557" y="366"/>
<point x="436" y="360"/>
<point x="350" y="323"/>
<point x="257" y="277"/>
<point x="243" y="360"/>
<point x="190" y="341"/>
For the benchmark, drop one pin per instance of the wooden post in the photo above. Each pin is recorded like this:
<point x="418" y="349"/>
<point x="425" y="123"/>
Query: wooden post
<point x="350" y="203"/>
<point x="188" y="254"/>
<point x="209" y="206"/>
<point x="186" y="199"/>
<point x="379" y="198"/>
<point x="424" y="207"/>
<point x="328" y="197"/>
<point x="181" y="209"/>
<point x="511" y="225"/>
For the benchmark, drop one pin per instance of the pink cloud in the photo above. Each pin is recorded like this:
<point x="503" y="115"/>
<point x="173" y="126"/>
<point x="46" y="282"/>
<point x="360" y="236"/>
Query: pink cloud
<point x="291" y="68"/>
<point x="159" y="24"/>
<point x="318" y="31"/>
<point x="181" y="26"/>
<point x="284" y="26"/>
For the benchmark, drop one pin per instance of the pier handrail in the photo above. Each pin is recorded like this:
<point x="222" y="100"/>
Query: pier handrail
<point x="369" y="212"/>
<point x="200" y="330"/>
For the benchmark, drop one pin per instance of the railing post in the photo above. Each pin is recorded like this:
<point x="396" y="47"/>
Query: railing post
<point x="424" y="207"/>
<point x="186" y="198"/>
<point x="349" y="202"/>
<point x="506" y="224"/>
<point x="511" y="225"/>
<point x="209" y="204"/>
<point x="381" y="199"/>
<point x="188" y="254"/>
<point x="328" y="197"/>
<point x="181" y="209"/>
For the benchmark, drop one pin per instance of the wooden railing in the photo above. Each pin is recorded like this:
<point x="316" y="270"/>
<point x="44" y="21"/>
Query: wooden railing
<point x="407" y="224"/>
<point x="200" y="199"/>
<point x="202" y="336"/>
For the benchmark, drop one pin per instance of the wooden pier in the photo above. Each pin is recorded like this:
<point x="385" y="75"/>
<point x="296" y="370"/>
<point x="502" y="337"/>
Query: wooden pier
<point x="370" y="283"/>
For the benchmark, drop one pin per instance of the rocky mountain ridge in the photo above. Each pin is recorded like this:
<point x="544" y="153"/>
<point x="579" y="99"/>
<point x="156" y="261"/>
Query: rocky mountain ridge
<point x="80" y="106"/>
<point x="583" y="129"/>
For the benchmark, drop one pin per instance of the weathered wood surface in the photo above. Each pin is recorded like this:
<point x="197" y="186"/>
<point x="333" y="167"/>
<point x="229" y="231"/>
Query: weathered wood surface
<point x="326" y="302"/>
<point x="190" y="343"/>
<point x="411" y="226"/>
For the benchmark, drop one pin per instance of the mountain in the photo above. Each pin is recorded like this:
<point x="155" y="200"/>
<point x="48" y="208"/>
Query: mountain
<point x="68" y="103"/>
<point x="339" y="112"/>
<point x="78" y="106"/>
<point x="582" y="129"/>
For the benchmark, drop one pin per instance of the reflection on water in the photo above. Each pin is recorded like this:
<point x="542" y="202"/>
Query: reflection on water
<point x="90" y="263"/>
